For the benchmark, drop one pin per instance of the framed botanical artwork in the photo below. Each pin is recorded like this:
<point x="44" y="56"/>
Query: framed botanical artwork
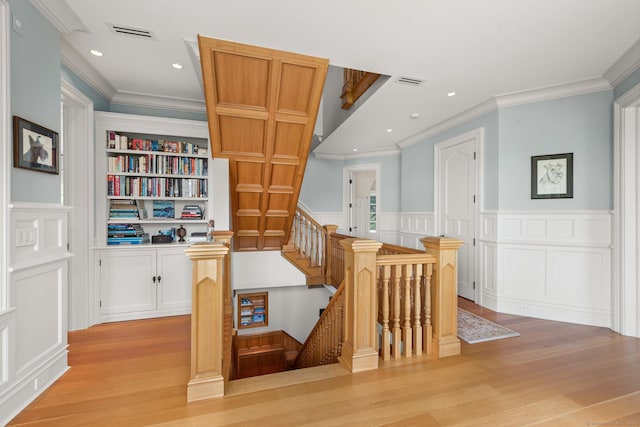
<point x="34" y="147"/>
<point x="552" y="176"/>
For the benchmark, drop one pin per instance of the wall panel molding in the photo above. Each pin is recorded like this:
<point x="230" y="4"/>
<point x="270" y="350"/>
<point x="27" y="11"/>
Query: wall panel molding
<point x="554" y="265"/>
<point x="33" y="329"/>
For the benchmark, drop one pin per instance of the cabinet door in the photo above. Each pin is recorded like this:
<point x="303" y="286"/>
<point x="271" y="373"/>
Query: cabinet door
<point x="127" y="288"/>
<point x="174" y="287"/>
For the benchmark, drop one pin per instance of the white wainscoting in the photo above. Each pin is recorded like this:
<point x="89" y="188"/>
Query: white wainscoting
<point x="33" y="328"/>
<point x="551" y="265"/>
<point x="413" y="227"/>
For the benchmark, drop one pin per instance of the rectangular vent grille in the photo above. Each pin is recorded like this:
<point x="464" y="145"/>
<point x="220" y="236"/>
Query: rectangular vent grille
<point x="409" y="81"/>
<point x="138" y="33"/>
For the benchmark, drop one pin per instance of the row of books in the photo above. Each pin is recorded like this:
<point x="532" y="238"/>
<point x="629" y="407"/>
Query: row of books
<point x="123" y="209"/>
<point x="116" y="141"/>
<point x="126" y="234"/>
<point x="157" y="164"/>
<point x="191" y="212"/>
<point x="136" y="186"/>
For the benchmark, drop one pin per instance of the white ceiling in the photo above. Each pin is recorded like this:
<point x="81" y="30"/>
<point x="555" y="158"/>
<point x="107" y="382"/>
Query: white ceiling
<point x="484" y="50"/>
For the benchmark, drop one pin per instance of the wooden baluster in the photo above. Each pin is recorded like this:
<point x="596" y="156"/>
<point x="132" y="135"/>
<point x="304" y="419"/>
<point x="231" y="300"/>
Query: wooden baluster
<point x="427" y="330"/>
<point x="386" y="339"/>
<point x="406" y="327"/>
<point x="417" y="309"/>
<point x="396" y="313"/>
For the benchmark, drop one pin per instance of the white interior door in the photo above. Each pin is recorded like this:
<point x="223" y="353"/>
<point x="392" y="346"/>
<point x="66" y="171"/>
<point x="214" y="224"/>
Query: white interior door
<point x="361" y="217"/>
<point x="457" y="182"/>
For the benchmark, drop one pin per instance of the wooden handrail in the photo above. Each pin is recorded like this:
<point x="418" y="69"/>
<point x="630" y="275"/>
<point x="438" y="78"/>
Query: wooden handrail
<point x="356" y="83"/>
<point x="324" y="343"/>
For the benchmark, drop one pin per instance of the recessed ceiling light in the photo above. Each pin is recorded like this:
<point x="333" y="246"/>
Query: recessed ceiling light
<point x="96" y="52"/>
<point x="389" y="130"/>
<point x="355" y="149"/>
<point x="451" y="94"/>
<point x="414" y="115"/>
<point x="177" y="65"/>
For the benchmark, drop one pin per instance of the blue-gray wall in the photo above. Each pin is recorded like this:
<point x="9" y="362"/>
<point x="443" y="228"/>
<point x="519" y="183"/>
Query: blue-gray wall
<point x="417" y="166"/>
<point x="581" y="125"/>
<point x="35" y="94"/>
<point x="322" y="185"/>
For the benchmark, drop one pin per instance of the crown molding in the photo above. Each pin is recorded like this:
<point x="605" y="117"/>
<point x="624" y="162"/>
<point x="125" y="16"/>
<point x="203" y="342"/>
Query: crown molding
<point x="552" y="92"/>
<point x="627" y="64"/>
<point x="509" y="100"/>
<point x="464" y="117"/>
<point x="76" y="63"/>
<point x="60" y="15"/>
<point x="153" y="101"/>
<point x="365" y="155"/>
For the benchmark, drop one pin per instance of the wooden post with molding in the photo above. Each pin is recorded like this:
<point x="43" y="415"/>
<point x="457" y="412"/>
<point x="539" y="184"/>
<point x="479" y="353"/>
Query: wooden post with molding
<point x="207" y="318"/>
<point x="329" y="230"/>
<point x="360" y="347"/>
<point x="444" y="294"/>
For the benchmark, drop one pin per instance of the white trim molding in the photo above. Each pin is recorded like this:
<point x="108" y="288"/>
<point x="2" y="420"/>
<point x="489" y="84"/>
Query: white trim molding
<point x="626" y="205"/>
<point x="551" y="265"/>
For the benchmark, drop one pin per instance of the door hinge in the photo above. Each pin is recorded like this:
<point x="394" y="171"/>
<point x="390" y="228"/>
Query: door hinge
<point x="474" y="198"/>
<point x="67" y="246"/>
<point x="100" y="303"/>
<point x="474" y="241"/>
<point x="474" y="284"/>
<point x="100" y="263"/>
<point x="474" y="155"/>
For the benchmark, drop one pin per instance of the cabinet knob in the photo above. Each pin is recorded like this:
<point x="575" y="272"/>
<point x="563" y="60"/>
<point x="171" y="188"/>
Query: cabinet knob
<point x="153" y="279"/>
<point x="159" y="279"/>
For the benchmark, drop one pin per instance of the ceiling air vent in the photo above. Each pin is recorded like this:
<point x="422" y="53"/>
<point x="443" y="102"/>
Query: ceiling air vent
<point x="409" y="81"/>
<point x="139" y="33"/>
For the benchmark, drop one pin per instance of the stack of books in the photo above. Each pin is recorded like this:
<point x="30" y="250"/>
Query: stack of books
<point x="123" y="209"/>
<point x="126" y="234"/>
<point x="191" y="212"/>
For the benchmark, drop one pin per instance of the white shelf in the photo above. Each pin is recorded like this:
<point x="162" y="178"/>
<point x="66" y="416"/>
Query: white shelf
<point x="158" y="175"/>
<point x="156" y="153"/>
<point x="193" y="199"/>
<point x="156" y="221"/>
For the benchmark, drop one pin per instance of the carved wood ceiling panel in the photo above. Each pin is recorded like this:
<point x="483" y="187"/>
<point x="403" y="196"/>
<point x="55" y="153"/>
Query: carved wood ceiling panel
<point x="262" y="106"/>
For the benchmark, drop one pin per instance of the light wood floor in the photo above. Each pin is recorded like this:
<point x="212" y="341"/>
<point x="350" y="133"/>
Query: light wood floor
<point x="554" y="374"/>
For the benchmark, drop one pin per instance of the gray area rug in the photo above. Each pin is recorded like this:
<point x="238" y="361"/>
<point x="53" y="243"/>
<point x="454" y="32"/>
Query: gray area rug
<point x="474" y="329"/>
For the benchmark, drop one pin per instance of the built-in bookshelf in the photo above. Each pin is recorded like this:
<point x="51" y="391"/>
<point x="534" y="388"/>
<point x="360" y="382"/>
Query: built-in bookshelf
<point x="155" y="178"/>
<point x="253" y="310"/>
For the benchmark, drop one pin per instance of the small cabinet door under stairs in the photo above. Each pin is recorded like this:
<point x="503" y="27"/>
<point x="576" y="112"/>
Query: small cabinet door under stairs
<point x="143" y="283"/>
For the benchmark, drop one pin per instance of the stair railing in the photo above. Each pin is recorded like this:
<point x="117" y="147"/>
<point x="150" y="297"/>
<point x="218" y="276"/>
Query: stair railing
<point x="324" y="343"/>
<point x="404" y="304"/>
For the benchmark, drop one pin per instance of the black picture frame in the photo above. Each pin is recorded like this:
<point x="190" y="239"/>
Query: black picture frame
<point x="34" y="147"/>
<point x="552" y="176"/>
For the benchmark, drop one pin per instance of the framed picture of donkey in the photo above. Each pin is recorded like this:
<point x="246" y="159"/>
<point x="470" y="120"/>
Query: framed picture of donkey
<point x="34" y="147"/>
<point x="552" y="176"/>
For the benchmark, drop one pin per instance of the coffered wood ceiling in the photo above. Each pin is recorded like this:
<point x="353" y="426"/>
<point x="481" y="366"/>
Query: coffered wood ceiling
<point x="261" y="106"/>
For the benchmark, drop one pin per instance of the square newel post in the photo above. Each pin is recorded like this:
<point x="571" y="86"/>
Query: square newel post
<point x="360" y="347"/>
<point x="207" y="318"/>
<point x="329" y="230"/>
<point x="444" y="294"/>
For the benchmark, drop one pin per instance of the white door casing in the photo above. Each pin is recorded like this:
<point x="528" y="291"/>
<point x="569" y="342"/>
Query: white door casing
<point x="78" y="175"/>
<point x="457" y="201"/>
<point x="625" y="298"/>
<point x="349" y="177"/>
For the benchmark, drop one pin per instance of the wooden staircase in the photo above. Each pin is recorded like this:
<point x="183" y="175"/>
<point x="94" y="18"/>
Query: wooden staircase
<point x="262" y="106"/>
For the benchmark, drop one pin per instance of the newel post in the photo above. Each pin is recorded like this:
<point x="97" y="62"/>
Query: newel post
<point x="207" y="318"/>
<point x="360" y="347"/>
<point x="444" y="294"/>
<point x="328" y="231"/>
